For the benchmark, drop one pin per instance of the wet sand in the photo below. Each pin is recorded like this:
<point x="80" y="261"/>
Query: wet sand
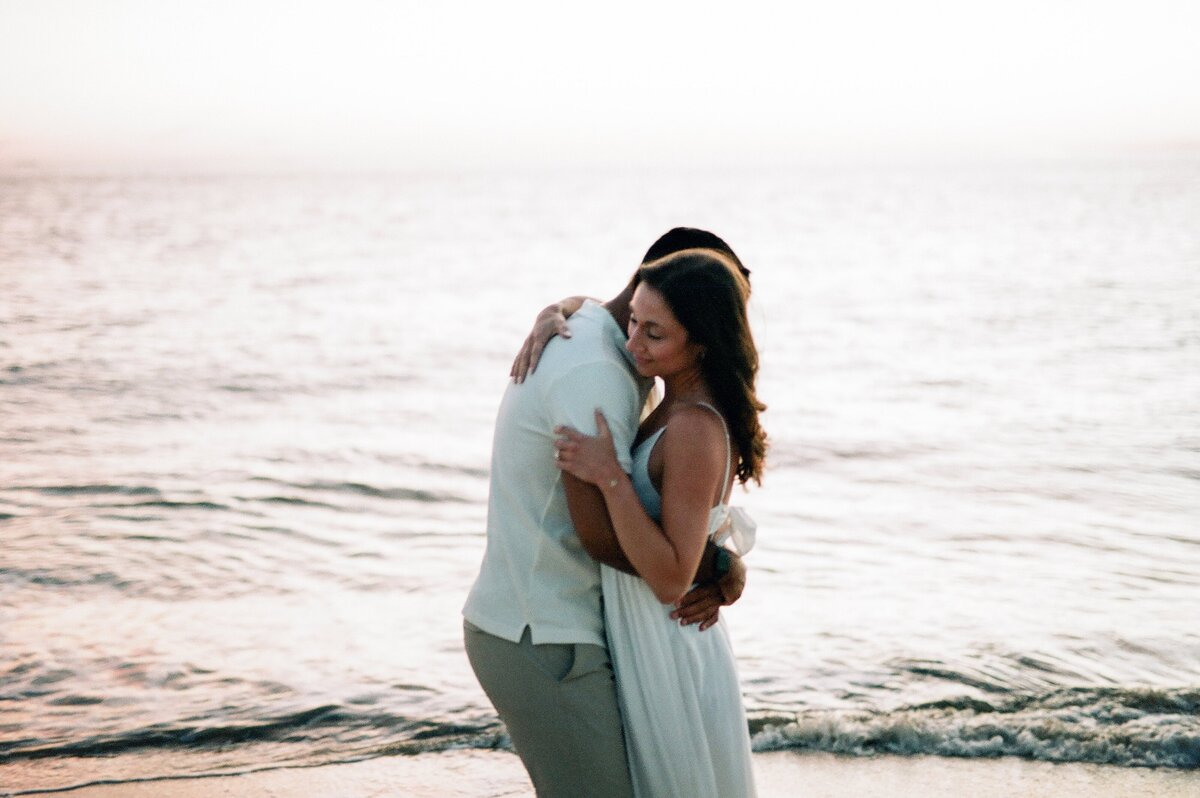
<point x="492" y="774"/>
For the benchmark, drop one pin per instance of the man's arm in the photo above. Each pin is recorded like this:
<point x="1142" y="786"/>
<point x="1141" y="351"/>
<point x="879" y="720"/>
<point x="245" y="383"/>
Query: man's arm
<point x="592" y="524"/>
<point x="703" y="603"/>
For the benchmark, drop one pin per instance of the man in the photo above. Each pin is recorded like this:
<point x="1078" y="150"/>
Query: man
<point x="533" y="622"/>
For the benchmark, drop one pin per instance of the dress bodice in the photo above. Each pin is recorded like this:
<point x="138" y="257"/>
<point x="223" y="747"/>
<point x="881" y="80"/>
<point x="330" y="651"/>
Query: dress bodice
<point x="725" y="523"/>
<point x="640" y="477"/>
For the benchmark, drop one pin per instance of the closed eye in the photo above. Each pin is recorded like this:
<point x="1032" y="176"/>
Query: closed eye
<point x="633" y="324"/>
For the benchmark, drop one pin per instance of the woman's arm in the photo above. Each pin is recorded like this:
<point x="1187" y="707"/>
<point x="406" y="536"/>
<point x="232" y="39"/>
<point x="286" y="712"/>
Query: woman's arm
<point x="702" y="604"/>
<point x="666" y="556"/>
<point x="551" y="321"/>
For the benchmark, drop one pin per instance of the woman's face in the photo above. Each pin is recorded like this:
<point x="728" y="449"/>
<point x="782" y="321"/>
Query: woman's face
<point x="658" y="342"/>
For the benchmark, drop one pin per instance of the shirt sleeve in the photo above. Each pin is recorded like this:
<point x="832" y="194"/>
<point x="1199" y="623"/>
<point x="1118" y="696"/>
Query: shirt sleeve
<point x="575" y="396"/>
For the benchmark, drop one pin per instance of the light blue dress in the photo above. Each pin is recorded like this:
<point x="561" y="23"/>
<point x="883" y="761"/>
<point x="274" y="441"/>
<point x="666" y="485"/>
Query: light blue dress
<point x="685" y="727"/>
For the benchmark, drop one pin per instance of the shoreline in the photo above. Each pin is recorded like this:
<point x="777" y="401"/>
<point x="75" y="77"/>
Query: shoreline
<point x="498" y="774"/>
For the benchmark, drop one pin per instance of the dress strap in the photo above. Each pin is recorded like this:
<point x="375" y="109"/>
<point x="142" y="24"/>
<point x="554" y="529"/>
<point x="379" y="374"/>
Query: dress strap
<point x="728" y="447"/>
<point x="730" y="524"/>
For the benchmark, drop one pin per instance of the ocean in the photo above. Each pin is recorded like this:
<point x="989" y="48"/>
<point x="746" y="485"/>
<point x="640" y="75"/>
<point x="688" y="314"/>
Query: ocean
<point x="245" y="426"/>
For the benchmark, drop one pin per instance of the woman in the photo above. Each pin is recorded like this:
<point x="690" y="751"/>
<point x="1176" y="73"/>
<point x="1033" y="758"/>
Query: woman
<point x="685" y="726"/>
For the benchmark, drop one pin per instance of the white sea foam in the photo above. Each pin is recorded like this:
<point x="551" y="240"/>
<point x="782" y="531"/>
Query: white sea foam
<point x="1132" y="728"/>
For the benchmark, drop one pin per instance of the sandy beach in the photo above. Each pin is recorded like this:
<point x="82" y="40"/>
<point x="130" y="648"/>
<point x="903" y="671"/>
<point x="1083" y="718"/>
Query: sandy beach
<point x="493" y="774"/>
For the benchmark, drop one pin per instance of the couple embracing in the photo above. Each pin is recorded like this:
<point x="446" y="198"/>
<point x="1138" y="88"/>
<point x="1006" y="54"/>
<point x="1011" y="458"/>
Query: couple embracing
<point x="594" y="623"/>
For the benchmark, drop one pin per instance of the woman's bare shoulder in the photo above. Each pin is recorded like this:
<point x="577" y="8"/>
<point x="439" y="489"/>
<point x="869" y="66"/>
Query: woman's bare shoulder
<point x="693" y="458"/>
<point x="694" y="427"/>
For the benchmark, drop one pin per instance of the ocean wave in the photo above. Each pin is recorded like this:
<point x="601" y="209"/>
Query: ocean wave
<point x="89" y="490"/>
<point x="76" y="577"/>
<point x="167" y="736"/>
<point x="172" y="505"/>
<point x="1124" y="727"/>
<point x="372" y="491"/>
<point x="142" y="496"/>
<point x="404" y="494"/>
<point x="289" y="500"/>
<point x="1128" y="727"/>
<point x="371" y="733"/>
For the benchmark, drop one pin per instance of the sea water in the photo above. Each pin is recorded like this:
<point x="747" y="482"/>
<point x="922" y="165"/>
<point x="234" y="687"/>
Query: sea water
<point x="245" y="427"/>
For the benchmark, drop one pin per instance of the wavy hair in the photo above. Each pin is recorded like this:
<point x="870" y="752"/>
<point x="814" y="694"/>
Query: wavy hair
<point x="707" y="291"/>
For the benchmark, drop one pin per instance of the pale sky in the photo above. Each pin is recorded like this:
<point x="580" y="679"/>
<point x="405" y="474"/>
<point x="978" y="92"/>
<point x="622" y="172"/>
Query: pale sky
<point x="442" y="84"/>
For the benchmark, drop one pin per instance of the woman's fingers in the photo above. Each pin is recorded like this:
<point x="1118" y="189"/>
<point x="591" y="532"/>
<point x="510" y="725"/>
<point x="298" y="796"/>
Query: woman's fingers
<point x="564" y="452"/>
<point x="544" y="329"/>
<point x="601" y="425"/>
<point x="585" y="456"/>
<point x="549" y="323"/>
<point x="535" y="354"/>
<point x="516" y="364"/>
<point x="569" y="433"/>
<point x="521" y="366"/>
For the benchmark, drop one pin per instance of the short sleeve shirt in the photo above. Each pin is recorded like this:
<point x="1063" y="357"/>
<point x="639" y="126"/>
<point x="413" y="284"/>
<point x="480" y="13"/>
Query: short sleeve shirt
<point x="535" y="572"/>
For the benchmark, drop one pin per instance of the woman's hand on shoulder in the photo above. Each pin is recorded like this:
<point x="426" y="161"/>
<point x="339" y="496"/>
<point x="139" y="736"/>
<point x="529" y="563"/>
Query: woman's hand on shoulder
<point x="551" y="321"/>
<point x="592" y="458"/>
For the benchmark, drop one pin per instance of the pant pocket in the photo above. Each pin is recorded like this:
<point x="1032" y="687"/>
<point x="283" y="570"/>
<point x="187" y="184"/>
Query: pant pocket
<point x="555" y="660"/>
<point x="588" y="660"/>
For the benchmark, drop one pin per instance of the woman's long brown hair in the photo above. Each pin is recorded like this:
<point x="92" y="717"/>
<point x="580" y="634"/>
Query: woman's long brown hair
<point x="707" y="293"/>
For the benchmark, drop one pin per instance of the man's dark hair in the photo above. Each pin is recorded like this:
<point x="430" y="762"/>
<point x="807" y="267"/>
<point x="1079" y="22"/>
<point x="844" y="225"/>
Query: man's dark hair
<point x="678" y="239"/>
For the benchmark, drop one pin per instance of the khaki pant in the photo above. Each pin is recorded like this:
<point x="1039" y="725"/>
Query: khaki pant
<point x="559" y="702"/>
